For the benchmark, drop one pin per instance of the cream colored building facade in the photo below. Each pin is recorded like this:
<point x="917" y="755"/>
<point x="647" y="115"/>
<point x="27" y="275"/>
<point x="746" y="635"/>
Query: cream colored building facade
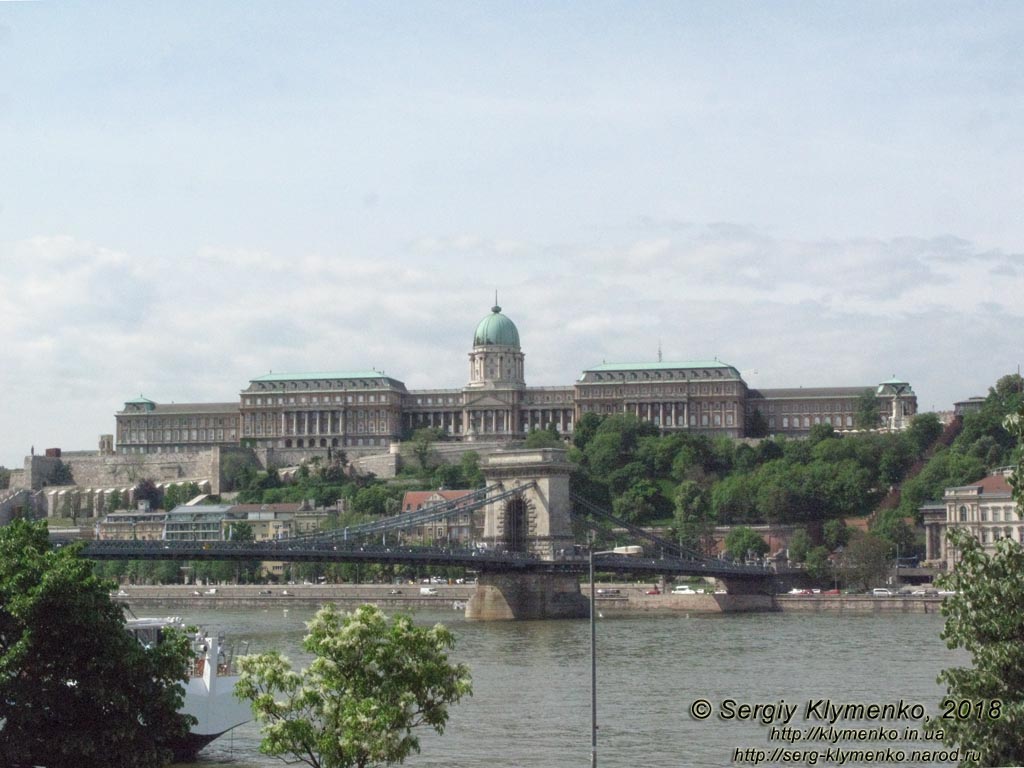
<point x="986" y="509"/>
<point x="368" y="410"/>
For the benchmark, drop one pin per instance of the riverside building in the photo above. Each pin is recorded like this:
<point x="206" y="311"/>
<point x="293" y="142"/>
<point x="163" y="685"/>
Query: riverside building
<point x="365" y="409"/>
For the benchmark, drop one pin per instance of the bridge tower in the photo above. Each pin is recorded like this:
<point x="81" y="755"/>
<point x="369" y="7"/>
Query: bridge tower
<point x="536" y="522"/>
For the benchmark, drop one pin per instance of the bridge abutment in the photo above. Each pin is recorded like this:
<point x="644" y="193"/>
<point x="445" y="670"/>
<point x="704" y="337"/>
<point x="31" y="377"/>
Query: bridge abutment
<point x="534" y="522"/>
<point x="525" y="596"/>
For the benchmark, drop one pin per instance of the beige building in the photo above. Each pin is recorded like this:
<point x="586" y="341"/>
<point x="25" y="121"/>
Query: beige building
<point x="368" y="410"/>
<point x="986" y="509"/>
<point x="321" y="410"/>
<point x="145" y="426"/>
<point x="706" y="397"/>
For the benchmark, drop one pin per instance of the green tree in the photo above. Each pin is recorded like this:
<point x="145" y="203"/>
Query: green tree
<point x="372" y="683"/>
<point x="544" y="438"/>
<point x="757" y="425"/>
<point x="925" y="429"/>
<point x="469" y="464"/>
<point x="836" y="534"/>
<point x="694" y="521"/>
<point x="75" y="687"/>
<point x="62" y="474"/>
<point x="423" y="440"/>
<point x="114" y="501"/>
<point x="742" y="541"/>
<point x="817" y="564"/>
<point x="585" y="429"/>
<point x="866" y="560"/>
<point x="146" y="490"/>
<point x="866" y="414"/>
<point x="799" y="546"/>
<point x="985" y="617"/>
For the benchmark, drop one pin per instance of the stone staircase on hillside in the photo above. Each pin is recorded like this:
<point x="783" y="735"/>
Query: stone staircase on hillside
<point x="892" y="498"/>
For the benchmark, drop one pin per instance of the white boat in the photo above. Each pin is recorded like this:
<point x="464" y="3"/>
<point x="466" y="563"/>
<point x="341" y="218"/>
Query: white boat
<point x="209" y="691"/>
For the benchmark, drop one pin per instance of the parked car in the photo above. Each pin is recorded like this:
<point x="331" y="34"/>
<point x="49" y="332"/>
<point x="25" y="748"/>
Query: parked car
<point x="428" y="591"/>
<point x="683" y="589"/>
<point x="882" y="592"/>
<point x="654" y="591"/>
<point x="608" y="592"/>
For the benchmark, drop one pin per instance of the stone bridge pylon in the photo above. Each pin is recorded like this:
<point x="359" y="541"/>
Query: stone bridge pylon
<point x="536" y="522"/>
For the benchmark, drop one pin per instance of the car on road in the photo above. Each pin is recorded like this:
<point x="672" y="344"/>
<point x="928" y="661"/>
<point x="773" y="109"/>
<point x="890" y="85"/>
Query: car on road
<point x="608" y="592"/>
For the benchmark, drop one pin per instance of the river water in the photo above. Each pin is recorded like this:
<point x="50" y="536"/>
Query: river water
<point x="531" y="680"/>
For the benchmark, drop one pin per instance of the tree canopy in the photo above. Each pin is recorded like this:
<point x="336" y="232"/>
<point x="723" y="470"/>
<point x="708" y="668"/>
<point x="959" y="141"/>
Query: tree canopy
<point x="372" y="683"/>
<point x="75" y="687"/>
<point x="985" y="617"/>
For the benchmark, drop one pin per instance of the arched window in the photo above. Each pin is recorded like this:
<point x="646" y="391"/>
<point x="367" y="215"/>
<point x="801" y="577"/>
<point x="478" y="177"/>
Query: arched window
<point x="963" y="513"/>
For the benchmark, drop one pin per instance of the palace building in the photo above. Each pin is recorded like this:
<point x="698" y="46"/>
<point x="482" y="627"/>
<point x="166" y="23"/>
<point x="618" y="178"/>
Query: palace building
<point x="368" y="410"/>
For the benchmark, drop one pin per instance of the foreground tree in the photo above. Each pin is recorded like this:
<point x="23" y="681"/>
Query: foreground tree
<point x="985" y="617"/>
<point x="372" y="683"/>
<point x="75" y="687"/>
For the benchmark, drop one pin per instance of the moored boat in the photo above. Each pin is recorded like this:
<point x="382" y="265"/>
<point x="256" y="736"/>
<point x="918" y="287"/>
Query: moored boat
<point x="209" y="691"/>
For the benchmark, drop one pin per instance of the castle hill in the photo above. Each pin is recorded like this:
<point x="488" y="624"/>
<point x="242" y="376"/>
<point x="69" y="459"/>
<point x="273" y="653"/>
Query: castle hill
<point x="683" y="458"/>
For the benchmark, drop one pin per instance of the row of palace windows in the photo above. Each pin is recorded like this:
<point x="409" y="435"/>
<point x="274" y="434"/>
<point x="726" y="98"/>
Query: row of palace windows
<point x="179" y="422"/>
<point x="333" y="442"/>
<point x="315" y="399"/>
<point x="1008" y="514"/>
<point x="1000" y="533"/>
<point x="811" y="407"/>
<point x="703" y="389"/>
<point x="179" y="435"/>
<point x="805" y="423"/>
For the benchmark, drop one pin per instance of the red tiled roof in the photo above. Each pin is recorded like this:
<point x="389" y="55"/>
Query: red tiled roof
<point x="993" y="484"/>
<point x="413" y="500"/>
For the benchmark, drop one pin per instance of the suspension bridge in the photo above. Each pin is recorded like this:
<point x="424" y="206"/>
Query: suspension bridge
<point x="528" y="565"/>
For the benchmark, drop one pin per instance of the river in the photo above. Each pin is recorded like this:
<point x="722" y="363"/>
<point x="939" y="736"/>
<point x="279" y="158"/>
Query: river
<point x="531" y="680"/>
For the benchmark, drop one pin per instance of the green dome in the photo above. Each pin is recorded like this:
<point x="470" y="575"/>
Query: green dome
<point x="496" y="330"/>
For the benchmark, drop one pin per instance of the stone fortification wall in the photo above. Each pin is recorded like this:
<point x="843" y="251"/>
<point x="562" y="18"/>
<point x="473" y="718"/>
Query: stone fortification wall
<point x="383" y="465"/>
<point x="92" y="469"/>
<point x="96" y="470"/>
<point x="17" y="502"/>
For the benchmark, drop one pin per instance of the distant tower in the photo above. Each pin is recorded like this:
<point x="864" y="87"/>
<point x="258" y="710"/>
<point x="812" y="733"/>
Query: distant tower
<point x="496" y="359"/>
<point x="493" y="395"/>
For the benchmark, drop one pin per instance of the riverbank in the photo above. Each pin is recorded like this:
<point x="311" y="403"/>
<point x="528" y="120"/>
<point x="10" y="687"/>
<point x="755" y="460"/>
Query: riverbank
<point x="255" y="595"/>
<point x="626" y="599"/>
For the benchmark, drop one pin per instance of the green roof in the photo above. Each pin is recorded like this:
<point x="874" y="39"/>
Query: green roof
<point x="497" y="330"/>
<point x="140" y="400"/>
<point x="662" y="366"/>
<point x="321" y="375"/>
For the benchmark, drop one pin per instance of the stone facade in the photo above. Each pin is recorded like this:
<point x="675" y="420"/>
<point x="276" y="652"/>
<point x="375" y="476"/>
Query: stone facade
<point x="363" y="412"/>
<point x="148" y="427"/>
<point x="985" y="509"/>
<point x="701" y="397"/>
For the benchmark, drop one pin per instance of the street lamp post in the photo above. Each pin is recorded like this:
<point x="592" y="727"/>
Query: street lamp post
<point x="593" y="669"/>
<point x="593" y="647"/>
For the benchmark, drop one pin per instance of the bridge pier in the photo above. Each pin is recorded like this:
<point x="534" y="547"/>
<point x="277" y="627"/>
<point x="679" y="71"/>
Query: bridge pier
<point x="535" y="522"/>
<point x="525" y="596"/>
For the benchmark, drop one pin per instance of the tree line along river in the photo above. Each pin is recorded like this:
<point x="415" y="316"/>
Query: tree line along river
<point x="531" y="701"/>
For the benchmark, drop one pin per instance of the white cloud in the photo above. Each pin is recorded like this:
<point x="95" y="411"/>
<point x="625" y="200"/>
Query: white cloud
<point x="87" y="327"/>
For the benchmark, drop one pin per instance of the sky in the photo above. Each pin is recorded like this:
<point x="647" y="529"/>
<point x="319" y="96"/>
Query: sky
<point x="193" y="194"/>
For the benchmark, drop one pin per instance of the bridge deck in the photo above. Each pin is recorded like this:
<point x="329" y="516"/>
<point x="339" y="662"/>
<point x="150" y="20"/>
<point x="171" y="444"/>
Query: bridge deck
<point x="350" y="552"/>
